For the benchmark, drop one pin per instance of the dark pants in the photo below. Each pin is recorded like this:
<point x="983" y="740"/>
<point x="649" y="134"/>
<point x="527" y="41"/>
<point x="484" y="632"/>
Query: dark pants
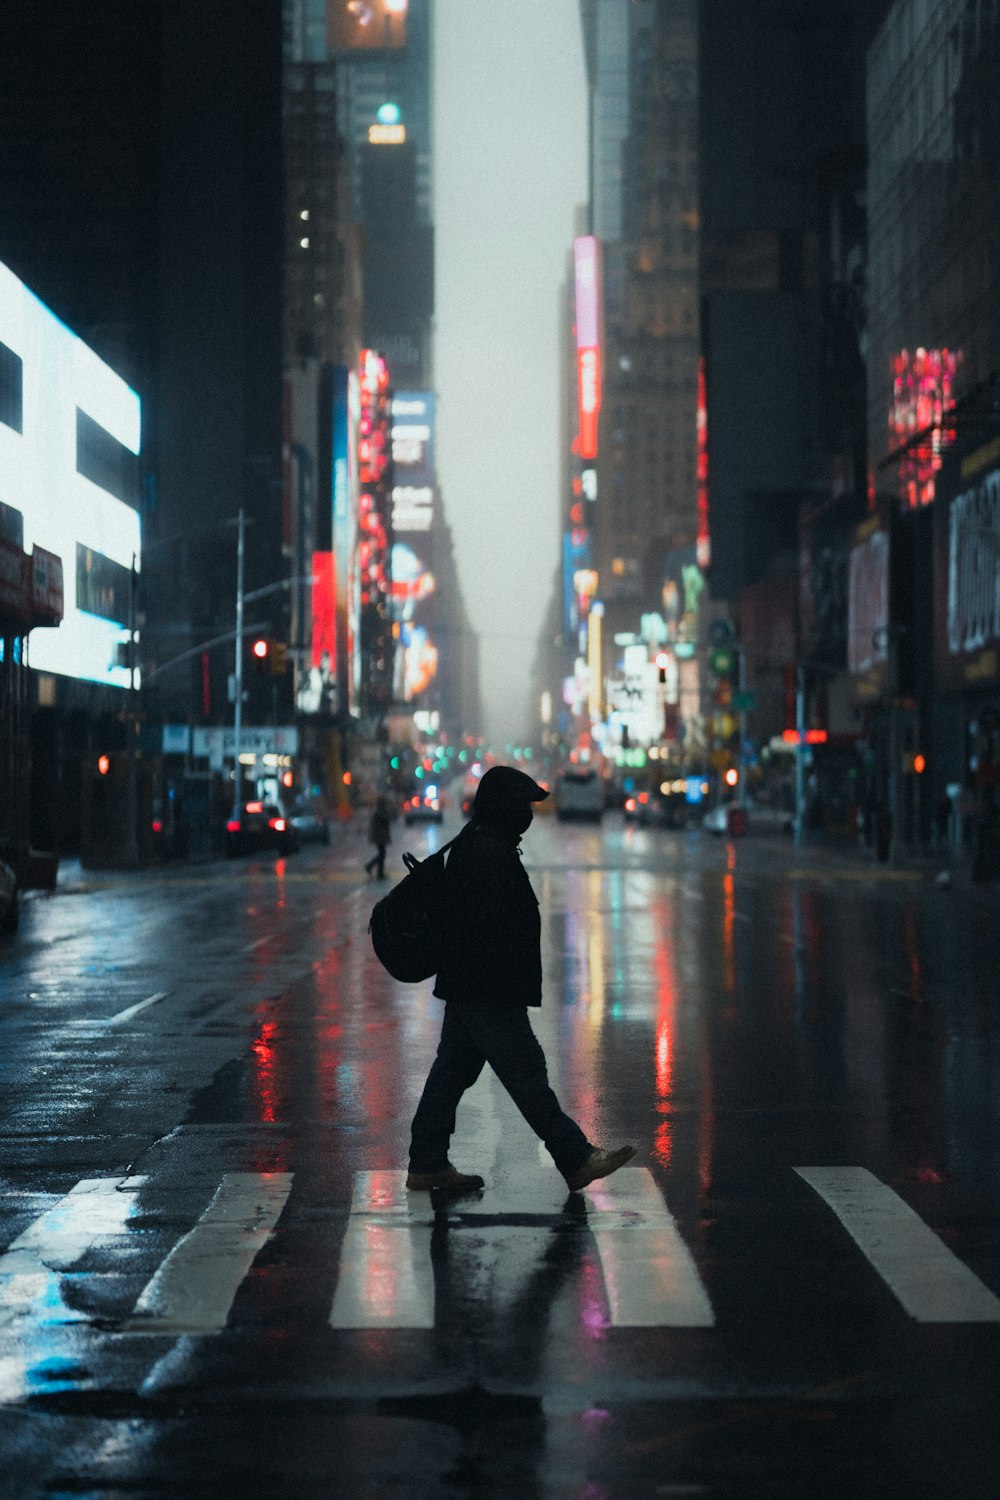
<point x="377" y="862"/>
<point x="471" y="1036"/>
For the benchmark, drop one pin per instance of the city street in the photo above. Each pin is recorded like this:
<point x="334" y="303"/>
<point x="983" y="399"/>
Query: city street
<point x="213" y="1281"/>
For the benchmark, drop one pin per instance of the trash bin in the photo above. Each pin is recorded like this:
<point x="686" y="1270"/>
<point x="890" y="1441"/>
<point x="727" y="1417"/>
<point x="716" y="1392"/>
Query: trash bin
<point x="736" y="821"/>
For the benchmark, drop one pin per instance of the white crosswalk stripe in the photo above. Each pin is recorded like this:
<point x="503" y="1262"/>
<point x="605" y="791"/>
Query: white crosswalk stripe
<point x="649" y="1272"/>
<point x="95" y="1209"/>
<point x="194" y="1288"/>
<point x="386" y="1279"/>
<point x="932" y="1284"/>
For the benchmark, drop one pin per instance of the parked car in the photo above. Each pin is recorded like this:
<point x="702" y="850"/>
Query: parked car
<point x="8" y="899"/>
<point x="423" y="806"/>
<point x="260" y="825"/>
<point x="579" y="794"/>
<point x="310" y="822"/>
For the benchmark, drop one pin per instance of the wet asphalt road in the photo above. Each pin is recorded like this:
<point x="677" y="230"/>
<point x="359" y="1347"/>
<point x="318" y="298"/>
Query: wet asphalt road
<point x="212" y="1282"/>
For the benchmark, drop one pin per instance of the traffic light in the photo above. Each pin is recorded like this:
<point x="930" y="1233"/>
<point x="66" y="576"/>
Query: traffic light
<point x="662" y="661"/>
<point x="260" y="650"/>
<point x="279" y="658"/>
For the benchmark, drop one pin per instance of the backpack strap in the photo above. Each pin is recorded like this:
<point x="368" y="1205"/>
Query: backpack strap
<point x="412" y="862"/>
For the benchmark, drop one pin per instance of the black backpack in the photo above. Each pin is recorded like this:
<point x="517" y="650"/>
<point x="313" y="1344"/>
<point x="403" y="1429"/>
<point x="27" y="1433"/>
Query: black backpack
<point x="409" y="926"/>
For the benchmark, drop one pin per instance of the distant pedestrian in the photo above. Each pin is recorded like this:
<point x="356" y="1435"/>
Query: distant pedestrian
<point x="379" y="834"/>
<point x="492" y="974"/>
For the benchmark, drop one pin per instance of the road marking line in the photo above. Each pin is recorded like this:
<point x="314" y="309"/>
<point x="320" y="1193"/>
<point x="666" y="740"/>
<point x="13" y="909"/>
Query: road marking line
<point x="193" y="1290"/>
<point x="96" y="1208"/>
<point x="386" y="1278"/>
<point x="932" y="1284"/>
<point x="133" y="1010"/>
<point x="257" y="943"/>
<point x="649" y="1272"/>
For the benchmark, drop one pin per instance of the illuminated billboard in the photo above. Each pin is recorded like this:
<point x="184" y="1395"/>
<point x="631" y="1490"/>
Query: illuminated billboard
<point x="967" y="579"/>
<point x="868" y="609"/>
<point x="69" y="446"/>
<point x="586" y="266"/>
<point x="365" y="25"/>
<point x="346" y="503"/>
<point x="413" y="461"/>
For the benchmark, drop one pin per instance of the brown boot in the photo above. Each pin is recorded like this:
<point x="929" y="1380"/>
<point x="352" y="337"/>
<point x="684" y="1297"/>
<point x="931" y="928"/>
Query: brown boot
<point x="599" y="1164"/>
<point x="450" y="1180"/>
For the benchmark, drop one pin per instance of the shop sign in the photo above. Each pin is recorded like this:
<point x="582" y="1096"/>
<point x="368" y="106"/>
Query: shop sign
<point x="221" y="743"/>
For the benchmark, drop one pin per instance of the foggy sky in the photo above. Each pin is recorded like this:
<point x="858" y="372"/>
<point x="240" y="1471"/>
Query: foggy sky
<point x="510" y="144"/>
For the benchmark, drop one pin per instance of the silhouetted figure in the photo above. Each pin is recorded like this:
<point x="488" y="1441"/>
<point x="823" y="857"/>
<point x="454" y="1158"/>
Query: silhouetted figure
<point x="492" y="973"/>
<point x="379" y="834"/>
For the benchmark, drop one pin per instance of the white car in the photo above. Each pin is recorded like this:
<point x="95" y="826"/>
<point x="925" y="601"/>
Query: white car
<point x="579" y="794"/>
<point x="716" y="820"/>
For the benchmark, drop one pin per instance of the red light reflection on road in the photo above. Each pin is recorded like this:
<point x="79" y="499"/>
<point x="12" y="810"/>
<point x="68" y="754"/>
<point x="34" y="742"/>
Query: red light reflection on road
<point x="729" y="923"/>
<point x="264" y="1072"/>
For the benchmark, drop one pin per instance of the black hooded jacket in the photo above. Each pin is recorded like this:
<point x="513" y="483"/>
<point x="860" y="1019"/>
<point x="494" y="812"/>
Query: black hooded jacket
<point x="494" y="946"/>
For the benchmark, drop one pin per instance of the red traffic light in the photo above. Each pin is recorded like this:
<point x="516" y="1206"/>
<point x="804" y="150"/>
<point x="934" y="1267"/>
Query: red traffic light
<point x="260" y="649"/>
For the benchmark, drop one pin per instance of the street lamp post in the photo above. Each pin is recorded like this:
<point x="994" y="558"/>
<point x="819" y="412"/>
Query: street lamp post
<point x="800" y="751"/>
<point x="238" y="665"/>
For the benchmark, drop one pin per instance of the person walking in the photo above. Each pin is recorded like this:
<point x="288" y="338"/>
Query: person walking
<point x="379" y="834"/>
<point x="491" y="976"/>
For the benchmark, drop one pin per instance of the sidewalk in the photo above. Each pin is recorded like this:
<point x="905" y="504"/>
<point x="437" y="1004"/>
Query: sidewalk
<point x="768" y="837"/>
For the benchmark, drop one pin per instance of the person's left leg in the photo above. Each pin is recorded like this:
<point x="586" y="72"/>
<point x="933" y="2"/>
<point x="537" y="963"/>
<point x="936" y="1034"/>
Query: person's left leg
<point x="505" y="1037"/>
<point x="380" y="863"/>
<point x="456" y="1067"/>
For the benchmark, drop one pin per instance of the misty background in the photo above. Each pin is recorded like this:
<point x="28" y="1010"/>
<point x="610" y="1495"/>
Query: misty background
<point x="510" y="153"/>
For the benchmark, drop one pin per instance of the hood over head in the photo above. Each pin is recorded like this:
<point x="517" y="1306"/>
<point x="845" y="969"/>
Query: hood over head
<point x="505" y="790"/>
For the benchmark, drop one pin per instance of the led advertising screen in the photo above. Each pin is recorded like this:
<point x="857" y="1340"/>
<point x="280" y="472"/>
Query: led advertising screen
<point x="586" y="265"/>
<point x="413" y="585"/>
<point x="69" y="446"/>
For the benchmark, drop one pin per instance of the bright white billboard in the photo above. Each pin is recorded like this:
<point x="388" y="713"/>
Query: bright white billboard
<point x="66" y="424"/>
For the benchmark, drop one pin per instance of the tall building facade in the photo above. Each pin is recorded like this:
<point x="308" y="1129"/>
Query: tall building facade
<point x="934" y="416"/>
<point x="633" y="555"/>
<point x="358" y="80"/>
<point x="160" y="245"/>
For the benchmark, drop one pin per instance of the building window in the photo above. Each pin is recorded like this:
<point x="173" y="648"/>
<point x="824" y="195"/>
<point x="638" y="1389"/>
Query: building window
<point x="11" y="389"/>
<point x="105" y="461"/>
<point x="102" y="586"/>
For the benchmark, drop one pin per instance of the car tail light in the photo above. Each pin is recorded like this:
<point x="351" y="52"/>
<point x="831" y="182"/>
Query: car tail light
<point x="255" y="807"/>
<point x="278" y="824"/>
<point x="157" y="826"/>
<point x="630" y="805"/>
<point x="233" y="826"/>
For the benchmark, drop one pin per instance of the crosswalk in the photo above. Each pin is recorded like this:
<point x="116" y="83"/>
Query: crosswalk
<point x="386" y="1274"/>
